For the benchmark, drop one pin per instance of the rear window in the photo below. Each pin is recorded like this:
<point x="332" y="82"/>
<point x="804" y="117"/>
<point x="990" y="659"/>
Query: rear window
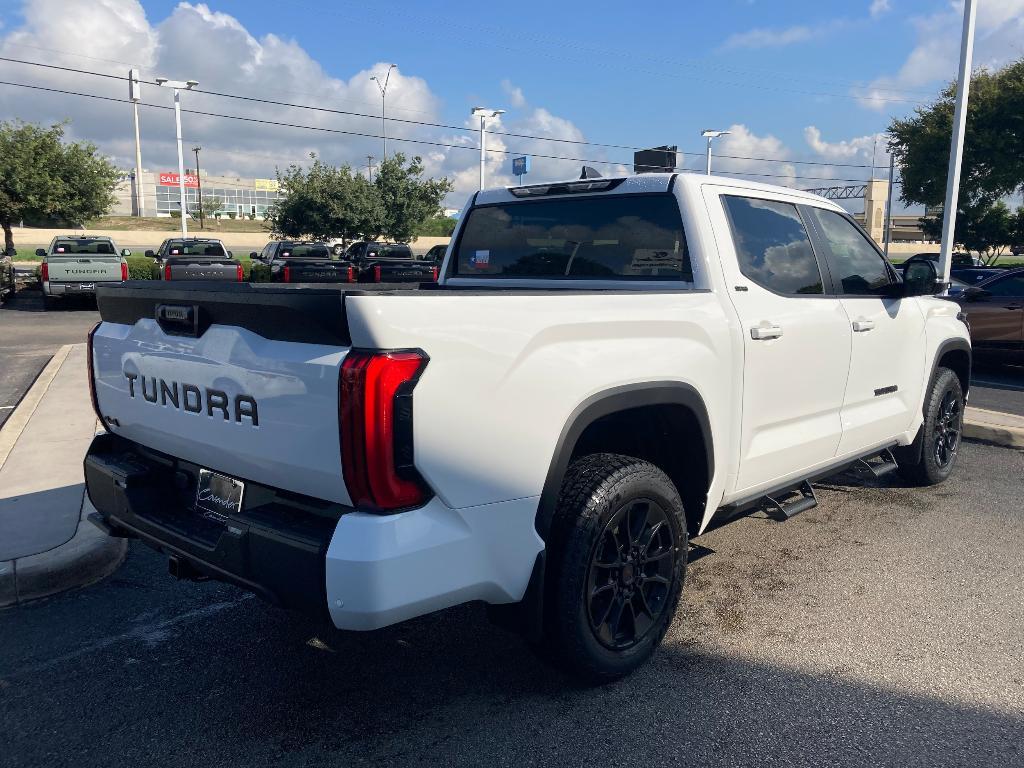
<point x="195" y="249"/>
<point x="628" y="237"/>
<point x="98" y="247"/>
<point x="384" y="251"/>
<point x="306" y="251"/>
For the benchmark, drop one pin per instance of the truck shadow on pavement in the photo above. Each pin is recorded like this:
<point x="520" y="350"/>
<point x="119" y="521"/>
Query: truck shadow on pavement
<point x="144" y="670"/>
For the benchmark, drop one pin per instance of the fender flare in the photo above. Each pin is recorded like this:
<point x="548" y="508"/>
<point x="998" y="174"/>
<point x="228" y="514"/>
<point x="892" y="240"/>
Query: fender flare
<point x="948" y="345"/>
<point x="603" y="404"/>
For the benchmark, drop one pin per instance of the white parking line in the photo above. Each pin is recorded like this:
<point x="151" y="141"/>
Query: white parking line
<point x="7" y="407"/>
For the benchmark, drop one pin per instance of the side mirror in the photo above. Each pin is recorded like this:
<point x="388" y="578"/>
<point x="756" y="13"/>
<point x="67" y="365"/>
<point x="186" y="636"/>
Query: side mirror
<point x="253" y="255"/>
<point x="231" y="254"/>
<point x="151" y="254"/>
<point x="973" y="293"/>
<point x="919" y="278"/>
<point x="126" y="252"/>
<point x="40" y="251"/>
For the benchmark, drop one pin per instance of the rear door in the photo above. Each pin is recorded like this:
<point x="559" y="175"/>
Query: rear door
<point x="997" y="316"/>
<point x="796" y="337"/>
<point x="887" y="363"/>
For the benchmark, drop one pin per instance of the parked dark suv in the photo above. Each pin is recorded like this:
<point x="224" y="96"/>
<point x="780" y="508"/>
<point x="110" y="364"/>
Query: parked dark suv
<point x="389" y="263"/>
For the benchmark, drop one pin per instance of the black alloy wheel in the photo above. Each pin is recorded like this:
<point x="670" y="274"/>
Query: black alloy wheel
<point x="630" y="574"/>
<point x="948" y="426"/>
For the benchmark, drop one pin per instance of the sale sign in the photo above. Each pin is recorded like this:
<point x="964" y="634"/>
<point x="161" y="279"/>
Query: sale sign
<point x="172" y="180"/>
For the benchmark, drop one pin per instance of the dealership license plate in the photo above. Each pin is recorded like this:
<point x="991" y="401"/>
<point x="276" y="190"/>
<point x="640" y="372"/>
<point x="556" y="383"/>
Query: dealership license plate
<point x="82" y="286"/>
<point x="218" y="496"/>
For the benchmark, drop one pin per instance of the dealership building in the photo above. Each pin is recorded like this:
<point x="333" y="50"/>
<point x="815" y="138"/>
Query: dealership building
<point x="160" y="194"/>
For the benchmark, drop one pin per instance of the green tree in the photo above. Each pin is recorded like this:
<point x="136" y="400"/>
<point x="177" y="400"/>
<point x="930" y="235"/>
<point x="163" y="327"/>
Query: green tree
<point x="324" y="202"/>
<point x="210" y="206"/>
<point x="41" y="176"/>
<point x="436" y="226"/>
<point x="407" y="199"/>
<point x="986" y="227"/>
<point x="993" y="162"/>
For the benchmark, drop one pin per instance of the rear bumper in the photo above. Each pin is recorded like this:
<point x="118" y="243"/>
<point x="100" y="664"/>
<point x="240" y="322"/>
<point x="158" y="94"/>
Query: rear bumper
<point x="53" y="288"/>
<point x="363" y="570"/>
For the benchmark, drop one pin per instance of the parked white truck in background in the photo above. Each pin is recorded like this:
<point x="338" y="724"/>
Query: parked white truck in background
<point x="605" y="366"/>
<point x="73" y="266"/>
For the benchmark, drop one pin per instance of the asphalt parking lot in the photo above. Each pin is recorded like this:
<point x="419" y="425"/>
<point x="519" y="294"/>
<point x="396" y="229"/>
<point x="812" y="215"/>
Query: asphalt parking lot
<point x="883" y="627"/>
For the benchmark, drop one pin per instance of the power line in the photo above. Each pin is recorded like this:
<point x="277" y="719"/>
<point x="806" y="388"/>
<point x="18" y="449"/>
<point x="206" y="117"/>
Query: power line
<point x="361" y="134"/>
<point x="510" y="134"/>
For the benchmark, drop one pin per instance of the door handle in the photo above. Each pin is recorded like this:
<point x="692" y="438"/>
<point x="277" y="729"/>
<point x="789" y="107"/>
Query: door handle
<point x="765" y="331"/>
<point x="859" y="326"/>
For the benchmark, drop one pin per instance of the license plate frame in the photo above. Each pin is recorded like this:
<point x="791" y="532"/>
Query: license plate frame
<point x="218" y="496"/>
<point x="82" y="286"/>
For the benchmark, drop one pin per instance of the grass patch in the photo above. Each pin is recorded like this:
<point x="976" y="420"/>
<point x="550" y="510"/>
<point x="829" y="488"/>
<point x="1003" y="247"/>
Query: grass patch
<point x="157" y="224"/>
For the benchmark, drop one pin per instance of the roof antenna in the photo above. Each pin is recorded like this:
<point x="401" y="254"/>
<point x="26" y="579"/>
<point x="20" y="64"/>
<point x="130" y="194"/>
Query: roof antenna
<point x="589" y="173"/>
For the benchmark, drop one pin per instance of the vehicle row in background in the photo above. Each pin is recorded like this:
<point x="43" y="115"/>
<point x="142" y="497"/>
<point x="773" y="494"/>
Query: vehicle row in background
<point x="300" y="261"/>
<point x="995" y="313"/>
<point x="965" y="267"/>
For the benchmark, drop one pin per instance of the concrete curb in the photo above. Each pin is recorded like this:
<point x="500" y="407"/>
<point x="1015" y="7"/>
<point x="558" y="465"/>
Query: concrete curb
<point x="88" y="557"/>
<point x="994" y="427"/>
<point x="17" y="421"/>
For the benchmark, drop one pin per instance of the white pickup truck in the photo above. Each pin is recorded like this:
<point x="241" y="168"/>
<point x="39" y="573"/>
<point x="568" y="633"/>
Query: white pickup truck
<point x="604" y="367"/>
<point x="73" y="266"/>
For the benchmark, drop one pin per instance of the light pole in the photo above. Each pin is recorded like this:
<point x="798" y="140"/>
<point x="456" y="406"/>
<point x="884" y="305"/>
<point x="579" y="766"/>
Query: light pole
<point x="369" y="167"/>
<point x="956" y="144"/>
<point x="177" y="85"/>
<point x="710" y="134"/>
<point x="199" y="185"/>
<point x="135" y="95"/>
<point x="383" y="92"/>
<point x="483" y="113"/>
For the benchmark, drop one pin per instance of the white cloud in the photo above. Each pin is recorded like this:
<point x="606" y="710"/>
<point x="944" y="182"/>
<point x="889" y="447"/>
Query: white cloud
<point x="231" y="60"/>
<point x="933" y="60"/>
<point x="742" y="142"/>
<point x="879" y="8"/>
<point x="515" y="94"/>
<point x="764" y="37"/>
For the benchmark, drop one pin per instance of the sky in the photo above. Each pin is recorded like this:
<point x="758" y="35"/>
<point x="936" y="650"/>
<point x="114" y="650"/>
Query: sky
<point x="796" y="82"/>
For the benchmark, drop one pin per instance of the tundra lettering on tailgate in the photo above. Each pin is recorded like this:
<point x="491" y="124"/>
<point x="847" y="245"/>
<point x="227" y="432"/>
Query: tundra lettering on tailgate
<point x="193" y="399"/>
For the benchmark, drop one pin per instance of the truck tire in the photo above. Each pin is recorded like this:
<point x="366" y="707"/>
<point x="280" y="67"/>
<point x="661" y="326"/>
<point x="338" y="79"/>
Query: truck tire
<point x="49" y="303"/>
<point x="616" y="563"/>
<point x="930" y="459"/>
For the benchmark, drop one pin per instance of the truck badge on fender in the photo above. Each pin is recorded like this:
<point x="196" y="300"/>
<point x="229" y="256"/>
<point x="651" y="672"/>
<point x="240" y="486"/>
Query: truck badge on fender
<point x="193" y="399"/>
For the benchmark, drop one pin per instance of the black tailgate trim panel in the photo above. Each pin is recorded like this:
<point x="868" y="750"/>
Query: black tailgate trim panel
<point x="300" y="314"/>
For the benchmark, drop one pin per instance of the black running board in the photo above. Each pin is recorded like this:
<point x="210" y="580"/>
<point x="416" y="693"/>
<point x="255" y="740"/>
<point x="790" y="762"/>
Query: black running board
<point x="879" y="465"/>
<point x="783" y="507"/>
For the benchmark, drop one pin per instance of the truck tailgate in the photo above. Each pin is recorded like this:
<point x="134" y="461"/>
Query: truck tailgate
<point x="201" y="269"/>
<point x="84" y="269"/>
<point x="241" y="379"/>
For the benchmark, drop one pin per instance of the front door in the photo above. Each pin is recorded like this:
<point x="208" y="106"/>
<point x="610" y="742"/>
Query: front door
<point x="887" y="363"/>
<point x="796" y="339"/>
<point x="997" y="315"/>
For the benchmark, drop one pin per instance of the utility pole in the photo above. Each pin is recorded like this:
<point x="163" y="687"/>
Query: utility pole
<point x="710" y="134"/>
<point x="176" y="86"/>
<point x="135" y="95"/>
<point x="369" y="166"/>
<point x="483" y="113"/>
<point x="383" y="92"/>
<point x="199" y="184"/>
<point x="956" y="145"/>
<point x="888" y="204"/>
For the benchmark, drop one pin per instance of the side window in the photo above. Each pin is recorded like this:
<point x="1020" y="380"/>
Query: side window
<point x="854" y="262"/>
<point x="772" y="245"/>
<point x="1008" y="286"/>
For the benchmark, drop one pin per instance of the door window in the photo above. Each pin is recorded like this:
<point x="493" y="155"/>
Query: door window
<point x="1007" y="286"/>
<point x="857" y="268"/>
<point x="772" y="245"/>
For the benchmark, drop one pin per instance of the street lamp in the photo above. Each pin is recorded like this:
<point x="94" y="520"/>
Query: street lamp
<point x="710" y="134"/>
<point x="384" y="92"/>
<point x="483" y="113"/>
<point x="178" y="85"/>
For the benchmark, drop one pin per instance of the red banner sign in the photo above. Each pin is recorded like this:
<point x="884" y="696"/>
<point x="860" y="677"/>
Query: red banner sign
<point x="171" y="180"/>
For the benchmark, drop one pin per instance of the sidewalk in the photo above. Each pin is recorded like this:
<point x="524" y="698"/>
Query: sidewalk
<point x="46" y="544"/>
<point x="1003" y="429"/>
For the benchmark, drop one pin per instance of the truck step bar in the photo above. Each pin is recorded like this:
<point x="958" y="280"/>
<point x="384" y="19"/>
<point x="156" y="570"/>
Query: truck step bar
<point x="783" y="507"/>
<point x="878" y="466"/>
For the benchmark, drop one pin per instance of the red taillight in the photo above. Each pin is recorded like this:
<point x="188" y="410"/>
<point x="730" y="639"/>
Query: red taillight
<point x="434" y="273"/>
<point x="124" y="271"/>
<point x="90" y="366"/>
<point x="376" y="273"/>
<point x="239" y="273"/>
<point x="287" y="273"/>
<point x="351" y="275"/>
<point x="375" y="414"/>
<point x="44" y="272"/>
<point x="167" y="272"/>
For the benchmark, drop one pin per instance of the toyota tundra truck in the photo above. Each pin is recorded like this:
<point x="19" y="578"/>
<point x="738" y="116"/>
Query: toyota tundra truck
<point x="604" y="368"/>
<point x="74" y="266"/>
